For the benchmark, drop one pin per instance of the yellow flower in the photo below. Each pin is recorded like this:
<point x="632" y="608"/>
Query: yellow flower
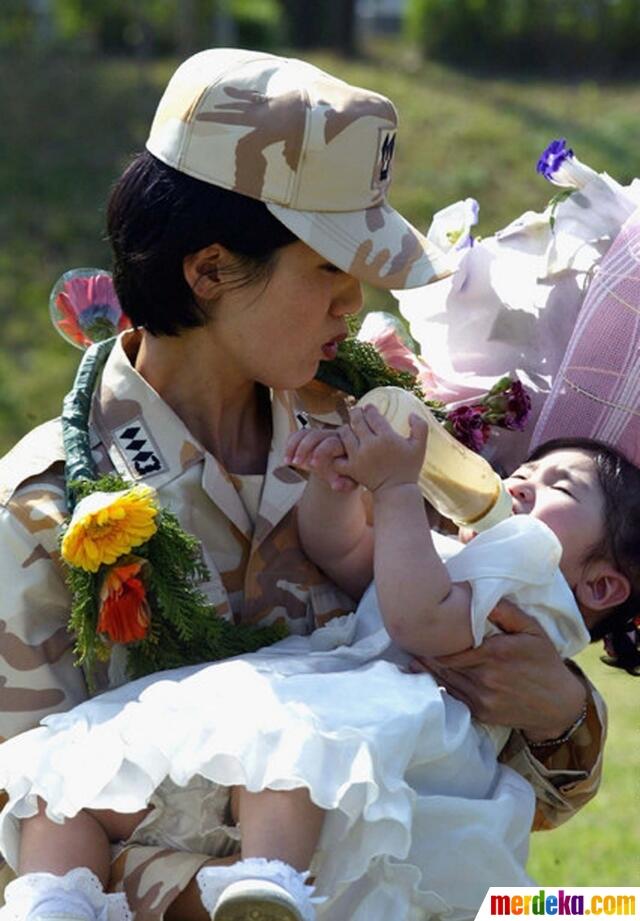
<point x="106" y="525"/>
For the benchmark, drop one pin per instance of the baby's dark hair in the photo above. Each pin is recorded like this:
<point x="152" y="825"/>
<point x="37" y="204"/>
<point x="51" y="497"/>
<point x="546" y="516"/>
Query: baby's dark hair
<point x="619" y="480"/>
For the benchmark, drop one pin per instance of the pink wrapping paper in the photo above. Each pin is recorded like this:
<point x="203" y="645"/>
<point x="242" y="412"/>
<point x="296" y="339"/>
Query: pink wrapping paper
<point x="596" y="392"/>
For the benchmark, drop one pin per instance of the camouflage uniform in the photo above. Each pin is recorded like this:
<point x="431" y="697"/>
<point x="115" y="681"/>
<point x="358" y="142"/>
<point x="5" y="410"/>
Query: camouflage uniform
<point x="316" y="150"/>
<point x="257" y="575"/>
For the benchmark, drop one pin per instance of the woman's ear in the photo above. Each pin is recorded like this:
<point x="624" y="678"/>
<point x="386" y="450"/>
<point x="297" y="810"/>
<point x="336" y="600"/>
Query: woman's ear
<point x="601" y="587"/>
<point x="202" y="271"/>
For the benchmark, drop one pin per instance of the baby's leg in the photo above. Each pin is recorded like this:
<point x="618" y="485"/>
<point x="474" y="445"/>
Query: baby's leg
<point x="280" y="832"/>
<point x="64" y="868"/>
<point x="82" y="841"/>
<point x="279" y="825"/>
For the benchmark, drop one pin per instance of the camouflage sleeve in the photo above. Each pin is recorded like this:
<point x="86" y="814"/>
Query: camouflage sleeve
<point x="568" y="776"/>
<point x="37" y="674"/>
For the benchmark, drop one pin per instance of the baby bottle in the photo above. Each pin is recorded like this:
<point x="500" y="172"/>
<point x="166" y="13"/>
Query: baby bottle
<point x="459" y="483"/>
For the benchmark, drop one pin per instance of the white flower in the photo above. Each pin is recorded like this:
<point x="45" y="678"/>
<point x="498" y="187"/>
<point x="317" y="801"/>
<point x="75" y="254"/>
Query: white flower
<point x="451" y="227"/>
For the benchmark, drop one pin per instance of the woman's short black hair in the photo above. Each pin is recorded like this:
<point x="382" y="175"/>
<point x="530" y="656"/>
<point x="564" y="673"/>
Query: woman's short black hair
<point x="619" y="481"/>
<point x="156" y="216"/>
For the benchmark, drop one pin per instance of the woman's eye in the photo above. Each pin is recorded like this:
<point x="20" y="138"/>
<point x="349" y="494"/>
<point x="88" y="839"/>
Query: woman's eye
<point x="564" y="490"/>
<point x="332" y="269"/>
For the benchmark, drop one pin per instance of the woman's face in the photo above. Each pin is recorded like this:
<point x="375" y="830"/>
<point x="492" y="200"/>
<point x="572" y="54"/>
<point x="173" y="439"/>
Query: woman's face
<point x="278" y="331"/>
<point x="562" y="490"/>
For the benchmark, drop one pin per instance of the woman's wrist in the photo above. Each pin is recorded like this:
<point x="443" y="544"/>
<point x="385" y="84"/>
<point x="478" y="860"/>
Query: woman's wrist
<point x="564" y="737"/>
<point x="570" y="714"/>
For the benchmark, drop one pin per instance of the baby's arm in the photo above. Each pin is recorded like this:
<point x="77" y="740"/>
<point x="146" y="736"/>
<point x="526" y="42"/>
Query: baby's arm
<point x="424" y="612"/>
<point x="332" y="521"/>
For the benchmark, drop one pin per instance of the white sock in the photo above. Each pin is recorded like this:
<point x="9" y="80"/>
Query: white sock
<point x="212" y="882"/>
<point x="78" y="895"/>
<point x="58" y="903"/>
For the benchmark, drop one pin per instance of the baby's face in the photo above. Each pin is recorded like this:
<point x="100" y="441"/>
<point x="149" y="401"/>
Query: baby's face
<point x="562" y="490"/>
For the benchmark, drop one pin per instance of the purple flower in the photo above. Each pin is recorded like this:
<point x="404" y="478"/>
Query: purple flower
<point x="468" y="425"/>
<point x="553" y="157"/>
<point x="560" y="166"/>
<point x="507" y="404"/>
<point x="518" y="407"/>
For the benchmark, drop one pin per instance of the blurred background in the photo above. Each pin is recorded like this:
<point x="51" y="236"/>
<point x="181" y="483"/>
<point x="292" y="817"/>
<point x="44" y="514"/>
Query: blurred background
<point x="481" y="86"/>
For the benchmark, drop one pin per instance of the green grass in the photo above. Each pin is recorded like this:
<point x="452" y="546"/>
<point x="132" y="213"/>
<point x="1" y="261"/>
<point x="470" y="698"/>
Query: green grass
<point x="600" y="846"/>
<point x="68" y="126"/>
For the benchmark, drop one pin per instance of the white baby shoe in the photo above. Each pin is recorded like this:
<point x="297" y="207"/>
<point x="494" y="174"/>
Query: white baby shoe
<point x="76" y="896"/>
<point x="256" y="900"/>
<point x="256" y="890"/>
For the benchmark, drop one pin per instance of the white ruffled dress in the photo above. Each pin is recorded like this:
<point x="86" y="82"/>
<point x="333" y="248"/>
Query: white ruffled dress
<point x="421" y="818"/>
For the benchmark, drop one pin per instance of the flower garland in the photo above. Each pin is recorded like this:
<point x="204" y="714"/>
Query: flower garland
<point x="134" y="574"/>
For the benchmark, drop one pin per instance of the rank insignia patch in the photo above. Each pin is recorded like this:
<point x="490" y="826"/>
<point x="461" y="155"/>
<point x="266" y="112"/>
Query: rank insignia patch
<point x="137" y="445"/>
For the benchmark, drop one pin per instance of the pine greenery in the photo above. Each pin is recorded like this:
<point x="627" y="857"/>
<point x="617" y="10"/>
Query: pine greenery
<point x="359" y="367"/>
<point x="185" y="628"/>
<point x="89" y="647"/>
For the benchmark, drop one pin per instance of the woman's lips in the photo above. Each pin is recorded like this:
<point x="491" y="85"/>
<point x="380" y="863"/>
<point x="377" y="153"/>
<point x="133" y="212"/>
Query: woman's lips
<point x="330" y="349"/>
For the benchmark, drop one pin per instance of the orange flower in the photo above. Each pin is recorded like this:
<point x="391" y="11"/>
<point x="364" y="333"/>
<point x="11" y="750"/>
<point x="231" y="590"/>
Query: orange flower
<point x="124" y="610"/>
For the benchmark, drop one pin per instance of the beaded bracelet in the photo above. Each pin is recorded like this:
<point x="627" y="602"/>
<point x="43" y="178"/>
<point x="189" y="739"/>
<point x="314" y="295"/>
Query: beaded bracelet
<point x="560" y="740"/>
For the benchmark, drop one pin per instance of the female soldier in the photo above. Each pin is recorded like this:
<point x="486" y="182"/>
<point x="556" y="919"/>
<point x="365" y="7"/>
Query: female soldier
<point x="240" y="239"/>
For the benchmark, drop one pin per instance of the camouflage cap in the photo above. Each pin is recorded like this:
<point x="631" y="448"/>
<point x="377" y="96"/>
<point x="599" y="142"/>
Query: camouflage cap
<point x="316" y="150"/>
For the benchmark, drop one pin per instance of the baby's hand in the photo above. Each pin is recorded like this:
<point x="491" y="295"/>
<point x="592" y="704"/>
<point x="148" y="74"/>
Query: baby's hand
<point x="316" y="450"/>
<point x="376" y="456"/>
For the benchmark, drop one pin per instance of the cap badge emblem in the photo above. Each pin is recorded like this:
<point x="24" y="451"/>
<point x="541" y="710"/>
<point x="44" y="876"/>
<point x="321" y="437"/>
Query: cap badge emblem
<point x="386" y="147"/>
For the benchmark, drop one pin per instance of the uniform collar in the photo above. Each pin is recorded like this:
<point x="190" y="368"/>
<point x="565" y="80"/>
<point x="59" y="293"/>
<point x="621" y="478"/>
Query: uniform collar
<point x="147" y="440"/>
<point x="143" y="435"/>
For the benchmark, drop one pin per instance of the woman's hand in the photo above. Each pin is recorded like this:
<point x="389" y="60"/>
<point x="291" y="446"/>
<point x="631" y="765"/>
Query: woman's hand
<point x="316" y="451"/>
<point x="513" y="679"/>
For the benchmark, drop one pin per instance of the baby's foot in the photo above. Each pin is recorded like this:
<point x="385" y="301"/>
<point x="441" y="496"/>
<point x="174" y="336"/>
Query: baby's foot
<point x="75" y="896"/>
<point x="255" y="889"/>
<point x="256" y="900"/>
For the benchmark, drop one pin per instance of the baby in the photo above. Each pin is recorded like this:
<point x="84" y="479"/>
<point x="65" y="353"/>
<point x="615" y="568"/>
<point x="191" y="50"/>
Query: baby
<point x="323" y="749"/>
<point x="575" y="492"/>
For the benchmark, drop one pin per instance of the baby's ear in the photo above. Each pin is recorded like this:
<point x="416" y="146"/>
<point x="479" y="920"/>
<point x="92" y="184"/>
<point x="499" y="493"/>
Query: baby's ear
<point x="602" y="586"/>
